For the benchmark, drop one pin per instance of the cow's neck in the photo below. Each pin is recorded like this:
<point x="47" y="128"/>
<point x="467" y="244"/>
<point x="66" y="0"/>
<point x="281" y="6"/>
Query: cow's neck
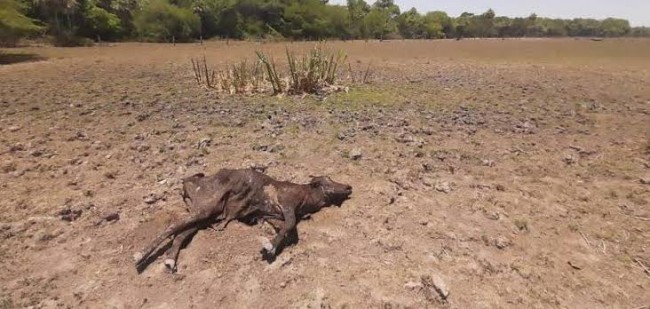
<point x="314" y="200"/>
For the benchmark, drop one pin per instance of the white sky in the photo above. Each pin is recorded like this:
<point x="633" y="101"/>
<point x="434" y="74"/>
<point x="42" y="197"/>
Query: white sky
<point x="636" y="11"/>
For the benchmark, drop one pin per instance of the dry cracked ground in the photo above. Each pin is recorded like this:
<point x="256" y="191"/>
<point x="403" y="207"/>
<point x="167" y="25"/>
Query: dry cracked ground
<point x="486" y="174"/>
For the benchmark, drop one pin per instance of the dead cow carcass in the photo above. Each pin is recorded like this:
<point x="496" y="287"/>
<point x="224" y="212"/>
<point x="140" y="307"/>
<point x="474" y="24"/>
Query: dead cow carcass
<point x="248" y="196"/>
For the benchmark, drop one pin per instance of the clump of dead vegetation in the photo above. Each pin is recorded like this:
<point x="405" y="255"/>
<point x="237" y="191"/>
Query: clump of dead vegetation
<point x="315" y="72"/>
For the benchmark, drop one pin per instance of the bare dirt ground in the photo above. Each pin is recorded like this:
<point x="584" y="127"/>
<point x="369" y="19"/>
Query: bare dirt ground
<point x="516" y="172"/>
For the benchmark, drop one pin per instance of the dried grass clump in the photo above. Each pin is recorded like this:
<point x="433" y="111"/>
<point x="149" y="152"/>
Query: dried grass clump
<point x="315" y="72"/>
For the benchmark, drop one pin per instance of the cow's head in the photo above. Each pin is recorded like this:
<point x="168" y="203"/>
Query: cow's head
<point x="335" y="193"/>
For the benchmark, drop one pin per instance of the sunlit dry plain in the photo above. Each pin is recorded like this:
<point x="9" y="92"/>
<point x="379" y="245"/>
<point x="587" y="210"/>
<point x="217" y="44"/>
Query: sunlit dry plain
<point x="516" y="173"/>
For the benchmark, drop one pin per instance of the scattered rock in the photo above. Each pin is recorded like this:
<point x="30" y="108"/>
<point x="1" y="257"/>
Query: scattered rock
<point x="14" y="128"/>
<point x="645" y="180"/>
<point x="570" y="159"/>
<point x="488" y="163"/>
<point x="435" y="288"/>
<point x="356" y="154"/>
<point x="204" y="142"/>
<point x="260" y="167"/>
<point x="413" y="285"/>
<point x="110" y="217"/>
<point x="152" y="198"/>
<point x="492" y="215"/>
<point x="443" y="186"/>
<point x="427" y="131"/>
<point x="502" y="242"/>
<point x="500" y="187"/>
<point x="525" y="128"/>
<point x="70" y="215"/>
<point x="17" y="147"/>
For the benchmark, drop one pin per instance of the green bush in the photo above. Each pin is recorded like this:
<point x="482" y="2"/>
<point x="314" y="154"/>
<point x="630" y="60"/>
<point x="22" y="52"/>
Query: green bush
<point x="161" y="21"/>
<point x="99" y="22"/>
<point x="13" y="24"/>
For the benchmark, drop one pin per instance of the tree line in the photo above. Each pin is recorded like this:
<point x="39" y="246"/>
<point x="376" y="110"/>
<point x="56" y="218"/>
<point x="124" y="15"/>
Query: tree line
<point x="74" y="22"/>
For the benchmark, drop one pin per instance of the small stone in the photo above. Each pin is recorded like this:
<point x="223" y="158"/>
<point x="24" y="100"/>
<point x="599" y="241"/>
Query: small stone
<point x="435" y="285"/>
<point x="205" y="142"/>
<point x="152" y="198"/>
<point x="569" y="159"/>
<point x="427" y="131"/>
<point x="488" y="163"/>
<point x="645" y="180"/>
<point x="283" y="284"/>
<point x="14" y="128"/>
<point x="70" y="215"/>
<point x="137" y="256"/>
<point x="502" y="242"/>
<point x="17" y="173"/>
<point x="492" y="215"/>
<point x="413" y="285"/>
<point x="443" y="187"/>
<point x="356" y="154"/>
<point x="500" y="187"/>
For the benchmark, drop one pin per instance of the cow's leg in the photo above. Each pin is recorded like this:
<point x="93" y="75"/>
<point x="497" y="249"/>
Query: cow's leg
<point x="286" y="227"/>
<point x="179" y="242"/>
<point x="174" y="229"/>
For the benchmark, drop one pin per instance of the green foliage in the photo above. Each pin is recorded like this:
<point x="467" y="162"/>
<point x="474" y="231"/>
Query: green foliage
<point x="161" y="21"/>
<point x="13" y="24"/>
<point x="314" y="71"/>
<point x="185" y="20"/>
<point x="100" y="23"/>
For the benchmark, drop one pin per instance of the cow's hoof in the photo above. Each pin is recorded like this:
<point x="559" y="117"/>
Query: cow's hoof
<point x="171" y="265"/>
<point x="267" y="245"/>
<point x="137" y="257"/>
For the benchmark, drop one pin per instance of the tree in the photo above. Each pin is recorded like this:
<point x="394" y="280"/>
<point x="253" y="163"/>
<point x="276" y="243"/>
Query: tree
<point x="161" y="21"/>
<point x="53" y="11"/>
<point x="378" y="23"/>
<point x="13" y="24"/>
<point x="99" y="23"/>
<point x="614" y="27"/>
<point x="443" y="20"/>
<point x="411" y="25"/>
<point x="357" y="11"/>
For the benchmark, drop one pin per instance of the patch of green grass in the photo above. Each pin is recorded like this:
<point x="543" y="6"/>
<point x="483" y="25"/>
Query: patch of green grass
<point x="366" y="97"/>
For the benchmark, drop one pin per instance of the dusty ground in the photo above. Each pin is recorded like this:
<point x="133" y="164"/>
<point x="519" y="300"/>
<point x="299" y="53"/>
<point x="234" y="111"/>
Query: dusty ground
<point x="514" y="171"/>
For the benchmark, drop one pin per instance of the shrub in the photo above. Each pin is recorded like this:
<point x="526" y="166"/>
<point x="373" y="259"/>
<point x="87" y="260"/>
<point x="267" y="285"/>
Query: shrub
<point x="99" y="22"/>
<point x="161" y="21"/>
<point x="13" y="24"/>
